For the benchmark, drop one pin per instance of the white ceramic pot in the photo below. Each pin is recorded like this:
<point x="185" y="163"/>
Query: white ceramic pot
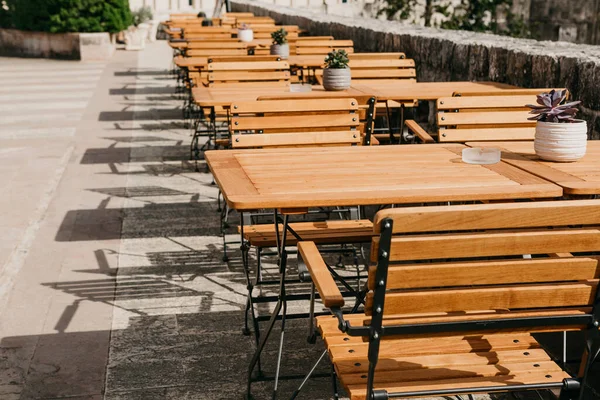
<point x="135" y="38"/>
<point x="245" y="35"/>
<point x="281" y="50"/>
<point x="562" y="142"/>
<point x="153" y="31"/>
<point x="336" y="78"/>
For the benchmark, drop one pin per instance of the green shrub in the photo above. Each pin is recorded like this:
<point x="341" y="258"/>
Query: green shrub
<point x="59" y="16"/>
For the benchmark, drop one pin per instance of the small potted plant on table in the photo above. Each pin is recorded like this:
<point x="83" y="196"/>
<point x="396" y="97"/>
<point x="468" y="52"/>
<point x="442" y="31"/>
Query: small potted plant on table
<point x="280" y="46"/>
<point x="558" y="135"/>
<point x="336" y="75"/>
<point x="245" y="34"/>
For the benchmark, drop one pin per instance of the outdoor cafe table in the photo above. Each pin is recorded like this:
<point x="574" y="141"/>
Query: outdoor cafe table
<point x="294" y="179"/>
<point x="224" y="96"/>
<point x="577" y="178"/>
<point x="403" y="90"/>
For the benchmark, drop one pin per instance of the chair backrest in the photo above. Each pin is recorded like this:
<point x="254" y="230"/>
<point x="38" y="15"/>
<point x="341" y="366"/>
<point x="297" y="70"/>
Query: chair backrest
<point x="297" y="122"/>
<point x="246" y="58"/>
<point x="238" y="15"/>
<point x="377" y="56"/>
<point x="485" y="267"/>
<point x="377" y="70"/>
<point x="485" y="118"/>
<point x="306" y="47"/>
<point x="262" y="31"/>
<point x="366" y="111"/>
<point x="229" y="43"/>
<point x="209" y="52"/>
<point x="251" y="73"/>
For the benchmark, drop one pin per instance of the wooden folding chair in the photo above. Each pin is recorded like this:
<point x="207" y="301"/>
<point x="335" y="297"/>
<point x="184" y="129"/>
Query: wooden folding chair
<point x="297" y="122"/>
<point x="452" y="303"/>
<point x="479" y="118"/>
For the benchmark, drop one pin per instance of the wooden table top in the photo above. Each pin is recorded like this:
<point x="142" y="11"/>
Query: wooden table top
<point x="402" y="90"/>
<point x="224" y="96"/>
<point x="298" y="178"/>
<point x="577" y="178"/>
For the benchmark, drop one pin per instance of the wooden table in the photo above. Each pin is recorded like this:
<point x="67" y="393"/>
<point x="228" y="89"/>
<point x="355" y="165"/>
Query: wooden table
<point x="224" y="96"/>
<point x="578" y="178"/>
<point x="295" y="179"/>
<point x="406" y="91"/>
<point x="345" y="176"/>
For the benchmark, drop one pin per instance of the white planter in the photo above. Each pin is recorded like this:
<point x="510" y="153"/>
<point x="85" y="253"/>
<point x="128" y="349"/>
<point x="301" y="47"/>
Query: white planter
<point x="282" y="50"/>
<point x="245" y="35"/>
<point x="562" y="142"/>
<point x="153" y="31"/>
<point x="336" y="78"/>
<point x="135" y="38"/>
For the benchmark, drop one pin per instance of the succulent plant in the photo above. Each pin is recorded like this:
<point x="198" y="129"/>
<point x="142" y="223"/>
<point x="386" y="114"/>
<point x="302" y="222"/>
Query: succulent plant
<point x="243" y="27"/>
<point x="279" y="36"/>
<point x="337" y="59"/>
<point x="552" y="107"/>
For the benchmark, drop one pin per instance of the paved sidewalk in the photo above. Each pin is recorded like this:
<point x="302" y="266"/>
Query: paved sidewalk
<point x="112" y="284"/>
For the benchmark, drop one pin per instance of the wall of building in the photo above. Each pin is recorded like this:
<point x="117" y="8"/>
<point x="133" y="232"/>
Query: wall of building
<point x="162" y="8"/>
<point x="442" y="55"/>
<point x="573" y="21"/>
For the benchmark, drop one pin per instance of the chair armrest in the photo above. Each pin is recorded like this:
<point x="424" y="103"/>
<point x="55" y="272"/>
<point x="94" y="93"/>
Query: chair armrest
<point x="418" y="131"/>
<point x="330" y="293"/>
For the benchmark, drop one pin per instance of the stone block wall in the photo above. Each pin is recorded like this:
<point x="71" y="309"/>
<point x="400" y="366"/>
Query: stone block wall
<point x="443" y="55"/>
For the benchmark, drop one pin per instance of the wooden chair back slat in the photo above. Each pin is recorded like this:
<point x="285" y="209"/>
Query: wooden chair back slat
<point x="218" y="44"/>
<point x="487" y="257"/>
<point x="507" y="92"/>
<point x="485" y="118"/>
<point x="341" y="120"/>
<point x="216" y="52"/>
<point x="307" y="47"/>
<point x="377" y="56"/>
<point x="296" y="139"/>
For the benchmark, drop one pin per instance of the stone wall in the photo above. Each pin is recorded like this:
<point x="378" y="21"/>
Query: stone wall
<point x="66" y="46"/>
<point x="443" y="55"/>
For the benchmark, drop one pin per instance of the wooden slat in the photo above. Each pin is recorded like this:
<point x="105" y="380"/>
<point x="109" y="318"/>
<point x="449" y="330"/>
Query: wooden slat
<point x="330" y="294"/>
<point x="383" y="73"/>
<point x="221" y="44"/>
<point x="508" y="92"/>
<point x="491" y="216"/>
<point x="487" y="134"/>
<point x="325" y="43"/>
<point x="377" y="56"/>
<point x="357" y="62"/>
<point x="296" y="139"/>
<point x="216" y="52"/>
<point x="499" y="101"/>
<point x="489" y="272"/>
<point x="399" y="364"/>
<point x="248" y="75"/>
<point x="489" y="298"/>
<point x="300" y="105"/>
<point x="425" y="346"/>
<point x="295" y="121"/>
<point x="411" y="372"/>
<point x="248" y="66"/>
<point x="320" y="50"/>
<point x="423" y="247"/>
<point x="484" y="118"/>
<point x="358" y="392"/>
<point x="416" y="129"/>
<point x="251" y="84"/>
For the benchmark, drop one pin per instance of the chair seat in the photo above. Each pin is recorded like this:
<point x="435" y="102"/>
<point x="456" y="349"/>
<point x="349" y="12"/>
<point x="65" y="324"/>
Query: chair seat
<point x="324" y="232"/>
<point x="442" y="363"/>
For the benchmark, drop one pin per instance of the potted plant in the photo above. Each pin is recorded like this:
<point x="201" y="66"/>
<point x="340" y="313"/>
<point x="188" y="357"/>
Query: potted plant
<point x="280" y="46"/>
<point x="135" y="37"/>
<point x="245" y="34"/>
<point x="558" y="135"/>
<point x="336" y="75"/>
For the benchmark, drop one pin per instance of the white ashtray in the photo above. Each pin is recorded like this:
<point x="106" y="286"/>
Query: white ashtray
<point x="300" y="88"/>
<point x="481" y="155"/>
